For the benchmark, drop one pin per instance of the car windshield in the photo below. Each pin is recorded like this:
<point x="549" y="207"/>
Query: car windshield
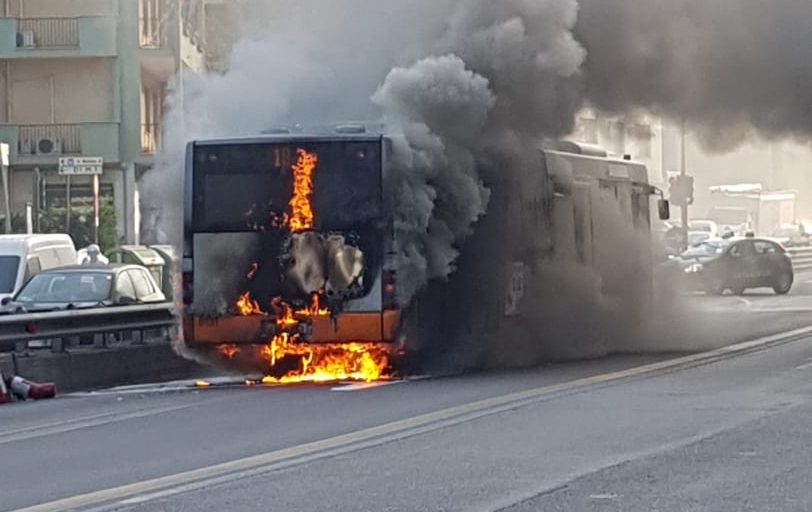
<point x="707" y="248"/>
<point x="9" y="267"/>
<point x="67" y="287"/>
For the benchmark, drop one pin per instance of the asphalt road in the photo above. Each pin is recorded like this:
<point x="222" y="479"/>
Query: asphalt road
<point x="727" y="435"/>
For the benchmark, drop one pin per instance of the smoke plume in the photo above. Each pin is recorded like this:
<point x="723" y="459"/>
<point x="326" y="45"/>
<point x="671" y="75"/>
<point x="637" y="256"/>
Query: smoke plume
<point x="472" y="87"/>
<point x="727" y="67"/>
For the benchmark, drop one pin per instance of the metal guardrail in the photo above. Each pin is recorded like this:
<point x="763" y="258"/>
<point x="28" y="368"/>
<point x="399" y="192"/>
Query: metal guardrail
<point x="18" y="329"/>
<point x="801" y="257"/>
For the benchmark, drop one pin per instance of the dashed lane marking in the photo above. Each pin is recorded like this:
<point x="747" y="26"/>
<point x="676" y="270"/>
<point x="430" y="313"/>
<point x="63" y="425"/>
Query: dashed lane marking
<point x="191" y="480"/>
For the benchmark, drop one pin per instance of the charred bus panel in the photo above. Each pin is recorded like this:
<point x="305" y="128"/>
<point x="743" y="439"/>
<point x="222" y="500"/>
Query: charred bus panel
<point x="287" y="222"/>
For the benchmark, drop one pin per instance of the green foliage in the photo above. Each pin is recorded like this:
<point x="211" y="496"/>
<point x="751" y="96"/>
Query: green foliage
<point x="17" y="223"/>
<point x="53" y="220"/>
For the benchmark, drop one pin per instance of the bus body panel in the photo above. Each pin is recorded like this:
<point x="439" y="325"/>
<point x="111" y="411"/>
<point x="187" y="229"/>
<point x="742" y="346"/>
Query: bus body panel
<point x="566" y="210"/>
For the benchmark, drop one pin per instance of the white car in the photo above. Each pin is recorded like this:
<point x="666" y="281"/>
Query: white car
<point x="708" y="226"/>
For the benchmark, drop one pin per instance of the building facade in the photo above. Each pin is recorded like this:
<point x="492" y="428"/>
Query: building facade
<point x="776" y="165"/>
<point x="89" y="78"/>
<point x="643" y="137"/>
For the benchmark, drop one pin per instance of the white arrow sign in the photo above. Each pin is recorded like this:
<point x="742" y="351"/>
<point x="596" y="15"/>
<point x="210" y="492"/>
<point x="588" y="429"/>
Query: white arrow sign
<point x="81" y="165"/>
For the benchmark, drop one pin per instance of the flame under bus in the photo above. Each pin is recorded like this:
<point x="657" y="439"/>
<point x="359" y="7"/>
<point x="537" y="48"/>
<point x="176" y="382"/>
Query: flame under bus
<point x="284" y="239"/>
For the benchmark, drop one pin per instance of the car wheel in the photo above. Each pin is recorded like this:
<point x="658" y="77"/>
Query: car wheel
<point x="715" y="286"/>
<point x="738" y="289"/>
<point x="783" y="283"/>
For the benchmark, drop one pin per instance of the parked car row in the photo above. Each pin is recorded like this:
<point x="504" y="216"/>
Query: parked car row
<point x="45" y="272"/>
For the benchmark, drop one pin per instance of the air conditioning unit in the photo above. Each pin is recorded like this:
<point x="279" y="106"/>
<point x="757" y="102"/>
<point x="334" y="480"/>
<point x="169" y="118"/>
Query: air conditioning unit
<point x="49" y="146"/>
<point x="25" y="39"/>
<point x="25" y="147"/>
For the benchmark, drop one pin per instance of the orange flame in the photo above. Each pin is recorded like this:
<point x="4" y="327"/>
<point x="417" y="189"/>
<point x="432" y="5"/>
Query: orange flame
<point x="317" y="362"/>
<point x="228" y="351"/>
<point x="328" y="362"/>
<point x="313" y="309"/>
<point x="246" y="306"/>
<point x="301" y="217"/>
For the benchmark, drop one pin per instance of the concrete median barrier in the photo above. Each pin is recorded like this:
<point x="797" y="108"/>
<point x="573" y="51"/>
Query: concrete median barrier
<point x="89" y="369"/>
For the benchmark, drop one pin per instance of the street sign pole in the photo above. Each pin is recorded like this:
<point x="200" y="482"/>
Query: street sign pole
<point x="67" y="203"/>
<point x="96" y="208"/>
<point x="83" y="166"/>
<point x="4" y="161"/>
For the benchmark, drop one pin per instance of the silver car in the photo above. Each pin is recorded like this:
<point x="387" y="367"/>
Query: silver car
<point x="86" y="286"/>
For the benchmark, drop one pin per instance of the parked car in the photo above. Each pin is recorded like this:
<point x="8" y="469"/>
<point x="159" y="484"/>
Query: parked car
<point x="85" y="286"/>
<point x="707" y="226"/>
<point x="22" y="256"/>
<point x="736" y="264"/>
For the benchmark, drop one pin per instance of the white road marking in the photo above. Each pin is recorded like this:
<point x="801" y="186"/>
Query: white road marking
<point x="805" y="366"/>
<point x="36" y="431"/>
<point x="361" y="386"/>
<point x="747" y="302"/>
<point x="388" y="432"/>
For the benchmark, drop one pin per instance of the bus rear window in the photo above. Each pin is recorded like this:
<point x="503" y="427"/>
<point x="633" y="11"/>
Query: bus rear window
<point x="244" y="187"/>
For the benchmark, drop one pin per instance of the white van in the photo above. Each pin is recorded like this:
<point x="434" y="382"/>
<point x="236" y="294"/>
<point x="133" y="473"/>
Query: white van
<point x="22" y="256"/>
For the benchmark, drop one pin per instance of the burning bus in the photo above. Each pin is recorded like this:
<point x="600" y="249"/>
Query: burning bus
<point x="288" y="247"/>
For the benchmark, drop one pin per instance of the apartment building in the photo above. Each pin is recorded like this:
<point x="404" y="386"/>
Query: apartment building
<point x="643" y="137"/>
<point x="89" y="78"/>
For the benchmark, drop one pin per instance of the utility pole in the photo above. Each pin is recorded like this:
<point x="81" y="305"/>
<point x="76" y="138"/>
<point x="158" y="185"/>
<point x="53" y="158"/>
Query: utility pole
<point x="683" y="174"/>
<point x="4" y="162"/>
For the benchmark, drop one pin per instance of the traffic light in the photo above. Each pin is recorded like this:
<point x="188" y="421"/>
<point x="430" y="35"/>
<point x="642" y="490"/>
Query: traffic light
<point x="681" y="190"/>
<point x="675" y="191"/>
<point x="688" y="189"/>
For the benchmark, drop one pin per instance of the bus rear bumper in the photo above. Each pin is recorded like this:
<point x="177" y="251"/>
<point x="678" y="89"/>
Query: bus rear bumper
<point x="351" y="327"/>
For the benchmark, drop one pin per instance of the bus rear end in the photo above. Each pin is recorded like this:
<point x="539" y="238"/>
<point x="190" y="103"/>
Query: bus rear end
<point x="285" y="245"/>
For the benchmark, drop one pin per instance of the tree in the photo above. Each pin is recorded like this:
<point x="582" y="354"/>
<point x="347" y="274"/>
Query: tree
<point x="53" y="220"/>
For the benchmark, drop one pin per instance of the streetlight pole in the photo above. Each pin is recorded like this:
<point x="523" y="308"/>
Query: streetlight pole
<point x="683" y="174"/>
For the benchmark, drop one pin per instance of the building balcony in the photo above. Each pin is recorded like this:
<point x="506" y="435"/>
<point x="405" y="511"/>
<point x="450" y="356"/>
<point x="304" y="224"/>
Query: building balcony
<point x="151" y="138"/>
<point x="44" y="144"/>
<point x="87" y="36"/>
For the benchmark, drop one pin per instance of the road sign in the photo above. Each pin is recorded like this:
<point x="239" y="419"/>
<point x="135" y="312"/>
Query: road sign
<point x="80" y="165"/>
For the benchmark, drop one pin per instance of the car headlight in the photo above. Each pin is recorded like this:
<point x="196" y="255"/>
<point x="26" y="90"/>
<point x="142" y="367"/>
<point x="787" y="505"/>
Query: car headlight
<point x="691" y="269"/>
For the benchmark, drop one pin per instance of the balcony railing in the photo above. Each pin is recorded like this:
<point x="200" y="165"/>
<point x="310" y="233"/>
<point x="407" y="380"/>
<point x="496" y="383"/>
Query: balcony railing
<point x="151" y="138"/>
<point x="49" y="139"/>
<point x="48" y="33"/>
<point x="153" y="32"/>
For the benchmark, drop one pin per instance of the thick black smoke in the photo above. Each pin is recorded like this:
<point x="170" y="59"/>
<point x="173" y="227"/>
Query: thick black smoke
<point x="473" y="86"/>
<point x="726" y="66"/>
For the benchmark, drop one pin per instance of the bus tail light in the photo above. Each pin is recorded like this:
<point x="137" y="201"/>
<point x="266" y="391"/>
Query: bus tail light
<point x="188" y="296"/>
<point x="389" y="282"/>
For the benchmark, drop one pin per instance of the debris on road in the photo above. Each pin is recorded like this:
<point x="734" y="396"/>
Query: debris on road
<point x="5" y="397"/>
<point x="17" y="388"/>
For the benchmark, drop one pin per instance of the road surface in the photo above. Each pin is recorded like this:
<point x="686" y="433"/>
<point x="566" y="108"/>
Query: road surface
<point x="727" y="434"/>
